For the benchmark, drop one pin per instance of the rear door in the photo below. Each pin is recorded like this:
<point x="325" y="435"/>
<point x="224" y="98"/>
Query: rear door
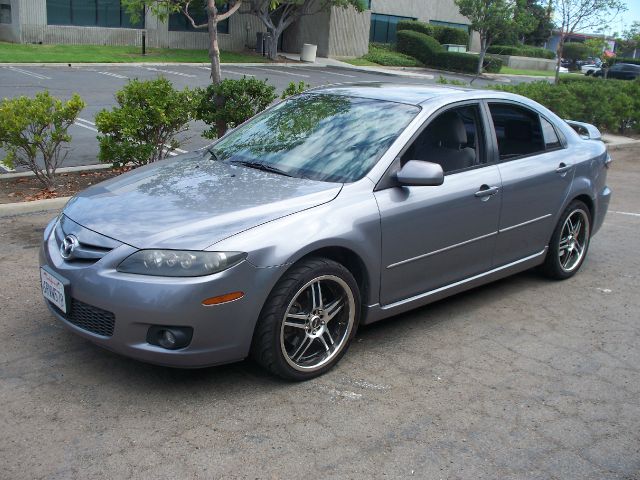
<point x="536" y="177"/>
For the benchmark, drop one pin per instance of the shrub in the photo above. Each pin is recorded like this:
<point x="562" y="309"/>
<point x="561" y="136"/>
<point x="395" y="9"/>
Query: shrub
<point x="430" y="52"/>
<point x="143" y="128"/>
<point x="294" y="89"/>
<point x="521" y="51"/>
<point x="232" y="102"/>
<point x="442" y="34"/>
<point x="575" y="51"/>
<point x="610" y="105"/>
<point x="33" y="129"/>
<point x="453" y="35"/>
<point x="418" y="45"/>
<point x="384" y="54"/>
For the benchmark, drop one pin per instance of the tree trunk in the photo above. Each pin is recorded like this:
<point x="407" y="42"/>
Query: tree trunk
<point x="214" y="50"/>
<point x="483" y="52"/>
<point x="272" y="47"/>
<point x="559" y="59"/>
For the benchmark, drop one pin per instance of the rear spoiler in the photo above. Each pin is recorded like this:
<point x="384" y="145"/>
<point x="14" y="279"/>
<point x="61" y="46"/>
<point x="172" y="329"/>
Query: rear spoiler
<point x="585" y="130"/>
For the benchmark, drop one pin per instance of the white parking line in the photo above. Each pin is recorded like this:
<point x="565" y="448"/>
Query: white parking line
<point x="170" y="72"/>
<point x="627" y="213"/>
<point x="80" y="123"/>
<point x="232" y="72"/>
<point x="111" y="74"/>
<point x="278" y="72"/>
<point x="31" y="74"/>
<point x="339" y="74"/>
<point x="85" y="121"/>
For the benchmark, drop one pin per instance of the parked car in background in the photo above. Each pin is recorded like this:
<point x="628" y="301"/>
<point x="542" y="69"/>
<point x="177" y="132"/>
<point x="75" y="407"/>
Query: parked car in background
<point x="620" y="71"/>
<point x="341" y="206"/>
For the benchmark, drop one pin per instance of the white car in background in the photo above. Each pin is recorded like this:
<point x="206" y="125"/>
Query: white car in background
<point x="589" y="69"/>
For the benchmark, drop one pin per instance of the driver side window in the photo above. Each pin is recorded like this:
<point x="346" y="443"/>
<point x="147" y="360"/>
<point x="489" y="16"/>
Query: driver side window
<point x="453" y="139"/>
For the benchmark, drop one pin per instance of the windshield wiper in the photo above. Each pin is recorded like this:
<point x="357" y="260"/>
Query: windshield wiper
<point x="261" y="166"/>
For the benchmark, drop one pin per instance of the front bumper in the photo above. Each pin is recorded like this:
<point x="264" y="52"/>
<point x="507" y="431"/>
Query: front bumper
<point x="221" y="333"/>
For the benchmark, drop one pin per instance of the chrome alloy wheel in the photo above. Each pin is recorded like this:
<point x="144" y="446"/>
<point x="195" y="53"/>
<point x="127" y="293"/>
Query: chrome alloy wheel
<point x="317" y="323"/>
<point x="573" y="240"/>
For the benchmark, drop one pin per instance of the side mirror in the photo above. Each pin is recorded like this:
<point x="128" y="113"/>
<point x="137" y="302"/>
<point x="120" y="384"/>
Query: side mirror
<point x="419" y="173"/>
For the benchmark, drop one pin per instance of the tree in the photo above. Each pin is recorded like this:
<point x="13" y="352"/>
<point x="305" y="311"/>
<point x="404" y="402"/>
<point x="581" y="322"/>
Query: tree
<point x="543" y="24"/>
<point x="217" y="11"/>
<point x="277" y="15"/>
<point x="491" y="18"/>
<point x="33" y="129"/>
<point x="575" y="15"/>
<point x="630" y="41"/>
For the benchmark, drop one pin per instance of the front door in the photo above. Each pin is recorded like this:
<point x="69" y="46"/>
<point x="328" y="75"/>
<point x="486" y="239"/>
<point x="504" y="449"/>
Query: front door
<point x="435" y="235"/>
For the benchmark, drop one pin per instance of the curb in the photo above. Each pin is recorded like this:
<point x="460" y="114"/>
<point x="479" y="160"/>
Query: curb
<point x="20" y="208"/>
<point x="79" y="168"/>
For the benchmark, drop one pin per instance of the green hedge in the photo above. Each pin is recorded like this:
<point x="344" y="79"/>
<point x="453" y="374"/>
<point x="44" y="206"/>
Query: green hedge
<point x="635" y="61"/>
<point x="456" y="36"/>
<point x="610" y="105"/>
<point x="384" y="54"/>
<point x="429" y="51"/>
<point x="521" y="51"/>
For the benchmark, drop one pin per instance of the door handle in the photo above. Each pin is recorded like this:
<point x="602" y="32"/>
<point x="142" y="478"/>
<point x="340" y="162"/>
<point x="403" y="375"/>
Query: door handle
<point x="563" y="168"/>
<point x="486" y="191"/>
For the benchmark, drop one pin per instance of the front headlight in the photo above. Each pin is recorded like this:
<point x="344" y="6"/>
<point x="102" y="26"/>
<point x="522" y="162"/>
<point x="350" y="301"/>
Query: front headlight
<point x="179" y="263"/>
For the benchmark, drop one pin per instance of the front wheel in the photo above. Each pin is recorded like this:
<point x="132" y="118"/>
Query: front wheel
<point x="308" y="320"/>
<point x="569" y="242"/>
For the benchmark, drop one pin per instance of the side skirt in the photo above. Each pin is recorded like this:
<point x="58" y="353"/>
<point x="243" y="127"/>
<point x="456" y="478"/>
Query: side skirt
<point x="378" y="312"/>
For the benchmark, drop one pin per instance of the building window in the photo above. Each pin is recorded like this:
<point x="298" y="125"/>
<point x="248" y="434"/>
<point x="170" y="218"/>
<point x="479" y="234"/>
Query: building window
<point x="384" y="27"/>
<point x="461" y="26"/>
<point x="5" y="11"/>
<point x="178" y="22"/>
<point x="90" y="13"/>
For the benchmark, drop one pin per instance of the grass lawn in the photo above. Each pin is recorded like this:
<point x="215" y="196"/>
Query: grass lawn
<point x="25" y="53"/>
<point x="360" y="62"/>
<point x="531" y="73"/>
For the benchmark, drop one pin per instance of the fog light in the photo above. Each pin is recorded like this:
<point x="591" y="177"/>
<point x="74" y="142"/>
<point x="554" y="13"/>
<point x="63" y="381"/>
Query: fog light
<point x="167" y="339"/>
<point x="171" y="338"/>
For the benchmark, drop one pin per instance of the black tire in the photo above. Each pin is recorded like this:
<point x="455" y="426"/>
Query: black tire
<point x="553" y="265"/>
<point x="269" y="345"/>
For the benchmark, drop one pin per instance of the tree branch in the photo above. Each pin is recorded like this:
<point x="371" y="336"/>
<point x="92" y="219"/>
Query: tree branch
<point x="190" y="18"/>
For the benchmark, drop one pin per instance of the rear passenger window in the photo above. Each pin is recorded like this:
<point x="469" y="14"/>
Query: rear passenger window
<point x="518" y="131"/>
<point x="549" y="134"/>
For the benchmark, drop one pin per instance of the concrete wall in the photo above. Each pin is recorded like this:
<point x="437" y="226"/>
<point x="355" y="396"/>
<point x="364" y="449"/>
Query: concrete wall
<point x="309" y="29"/>
<point x="349" y="32"/>
<point x="527" y="63"/>
<point x="30" y="26"/>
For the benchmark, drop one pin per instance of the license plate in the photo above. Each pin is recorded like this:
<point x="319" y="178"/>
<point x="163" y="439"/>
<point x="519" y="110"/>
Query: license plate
<point x="53" y="288"/>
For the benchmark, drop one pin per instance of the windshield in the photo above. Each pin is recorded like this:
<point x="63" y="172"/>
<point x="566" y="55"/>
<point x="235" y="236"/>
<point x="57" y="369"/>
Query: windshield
<point x="331" y="138"/>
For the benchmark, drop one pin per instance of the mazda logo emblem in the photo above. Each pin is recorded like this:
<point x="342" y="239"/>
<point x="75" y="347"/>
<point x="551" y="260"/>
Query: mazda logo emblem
<point x="68" y="245"/>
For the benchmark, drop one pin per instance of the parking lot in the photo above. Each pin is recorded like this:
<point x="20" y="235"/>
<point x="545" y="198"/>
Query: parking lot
<point x="98" y="84"/>
<point x="521" y="379"/>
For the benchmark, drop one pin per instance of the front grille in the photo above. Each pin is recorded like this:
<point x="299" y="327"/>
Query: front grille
<point x="90" y="318"/>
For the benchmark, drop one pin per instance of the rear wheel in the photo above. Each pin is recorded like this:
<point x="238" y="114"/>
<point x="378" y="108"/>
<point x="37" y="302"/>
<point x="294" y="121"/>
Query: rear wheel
<point x="308" y="320"/>
<point x="569" y="243"/>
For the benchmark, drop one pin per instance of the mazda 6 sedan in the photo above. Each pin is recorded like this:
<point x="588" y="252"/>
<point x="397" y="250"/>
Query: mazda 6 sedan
<point x="335" y="208"/>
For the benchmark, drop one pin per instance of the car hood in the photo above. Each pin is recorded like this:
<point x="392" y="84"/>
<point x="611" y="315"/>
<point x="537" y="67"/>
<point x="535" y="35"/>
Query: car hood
<point x="191" y="202"/>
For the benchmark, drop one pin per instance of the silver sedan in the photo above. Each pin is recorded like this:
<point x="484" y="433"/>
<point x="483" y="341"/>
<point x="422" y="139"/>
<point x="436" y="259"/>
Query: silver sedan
<point x="333" y="209"/>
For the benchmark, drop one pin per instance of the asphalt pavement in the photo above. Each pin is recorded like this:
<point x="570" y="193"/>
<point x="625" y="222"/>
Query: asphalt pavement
<point x="524" y="378"/>
<point x="98" y="84"/>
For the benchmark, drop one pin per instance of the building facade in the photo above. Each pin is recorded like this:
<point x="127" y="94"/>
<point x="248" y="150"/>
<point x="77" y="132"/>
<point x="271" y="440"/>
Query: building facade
<point x="337" y="32"/>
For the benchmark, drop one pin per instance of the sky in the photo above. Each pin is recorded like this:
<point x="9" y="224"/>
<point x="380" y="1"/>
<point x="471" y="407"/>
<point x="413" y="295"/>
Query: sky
<point x="625" y="20"/>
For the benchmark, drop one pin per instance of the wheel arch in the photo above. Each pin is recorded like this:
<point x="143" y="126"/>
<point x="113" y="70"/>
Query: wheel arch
<point x="351" y="260"/>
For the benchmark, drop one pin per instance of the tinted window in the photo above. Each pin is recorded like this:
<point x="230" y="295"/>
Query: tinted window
<point x="331" y="138"/>
<point x="517" y="129"/>
<point x="384" y="27"/>
<point x="453" y="139"/>
<point x="100" y="13"/>
<point x="549" y="134"/>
